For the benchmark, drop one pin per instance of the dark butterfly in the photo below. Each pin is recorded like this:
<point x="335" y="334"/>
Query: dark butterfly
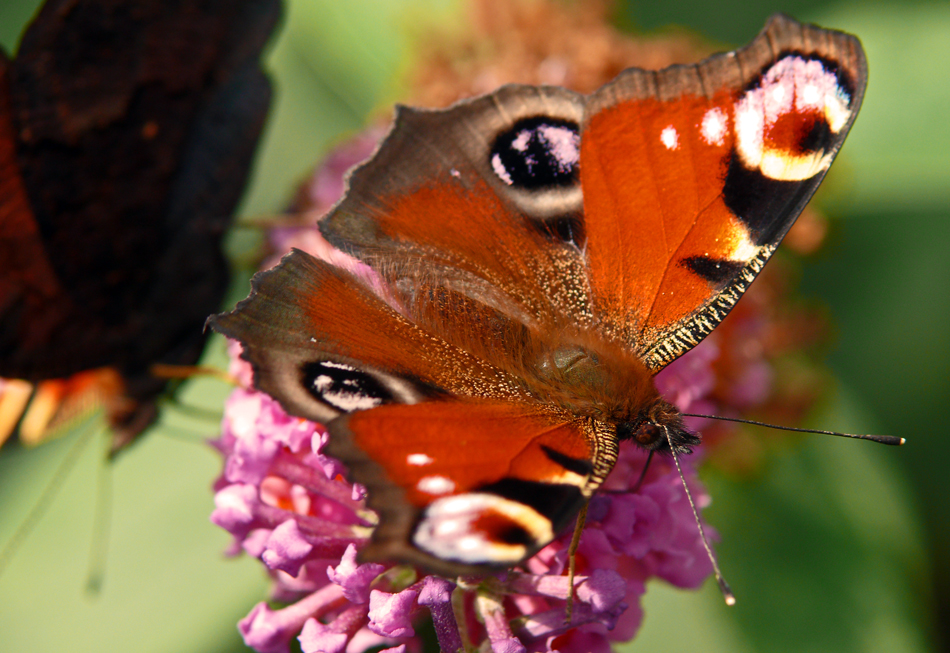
<point x="536" y="257"/>
<point x="126" y="136"/>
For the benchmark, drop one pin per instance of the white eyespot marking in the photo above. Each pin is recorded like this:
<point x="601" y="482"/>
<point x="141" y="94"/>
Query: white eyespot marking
<point x="455" y="173"/>
<point x="563" y="144"/>
<point x="419" y="459"/>
<point x="810" y="95"/>
<point x="467" y="528"/>
<point x="343" y="394"/>
<point x="778" y="94"/>
<point x="520" y="144"/>
<point x="339" y="366"/>
<point x="670" y="138"/>
<point x="346" y="390"/>
<point x="779" y="119"/>
<point x="435" y="485"/>
<point x="499" y="168"/>
<point x="713" y="127"/>
<point x="312" y="339"/>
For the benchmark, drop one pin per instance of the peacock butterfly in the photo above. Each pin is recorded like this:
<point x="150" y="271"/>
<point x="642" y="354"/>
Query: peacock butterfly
<point x="535" y="257"/>
<point x="126" y="135"/>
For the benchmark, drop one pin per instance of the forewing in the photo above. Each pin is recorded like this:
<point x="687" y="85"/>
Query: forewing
<point x="692" y="175"/>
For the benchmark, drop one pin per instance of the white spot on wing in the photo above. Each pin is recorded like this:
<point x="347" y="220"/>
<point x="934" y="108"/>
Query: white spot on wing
<point x="745" y="250"/>
<point x="713" y="127"/>
<point x="342" y="395"/>
<point x="521" y="141"/>
<point x="435" y="485"/>
<point x="419" y="459"/>
<point x="563" y="144"/>
<point x="670" y="138"/>
<point x="500" y="169"/>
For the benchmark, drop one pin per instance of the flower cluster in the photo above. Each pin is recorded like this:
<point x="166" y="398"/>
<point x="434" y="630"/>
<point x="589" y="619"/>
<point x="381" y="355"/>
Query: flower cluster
<point x="289" y="505"/>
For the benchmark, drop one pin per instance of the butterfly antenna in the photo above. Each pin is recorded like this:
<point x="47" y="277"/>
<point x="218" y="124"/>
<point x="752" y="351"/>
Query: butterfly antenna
<point x="727" y="594"/>
<point x="99" y="550"/>
<point x="883" y="439"/>
<point x="46" y="498"/>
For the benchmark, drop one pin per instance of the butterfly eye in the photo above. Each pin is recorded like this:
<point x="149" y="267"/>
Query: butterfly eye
<point x="537" y="154"/>
<point x="647" y="434"/>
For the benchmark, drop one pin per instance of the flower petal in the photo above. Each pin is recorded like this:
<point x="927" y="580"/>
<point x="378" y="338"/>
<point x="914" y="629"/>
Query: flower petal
<point x="390" y="615"/>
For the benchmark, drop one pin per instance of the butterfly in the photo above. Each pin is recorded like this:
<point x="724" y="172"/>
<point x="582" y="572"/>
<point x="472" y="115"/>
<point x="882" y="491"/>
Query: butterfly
<point x="526" y="262"/>
<point x="126" y="136"/>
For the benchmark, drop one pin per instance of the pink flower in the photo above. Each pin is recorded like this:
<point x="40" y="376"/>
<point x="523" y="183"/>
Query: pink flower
<point x="286" y="503"/>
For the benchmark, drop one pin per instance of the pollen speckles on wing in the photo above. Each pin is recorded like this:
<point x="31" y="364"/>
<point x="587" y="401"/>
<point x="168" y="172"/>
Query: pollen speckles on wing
<point x="670" y="138"/>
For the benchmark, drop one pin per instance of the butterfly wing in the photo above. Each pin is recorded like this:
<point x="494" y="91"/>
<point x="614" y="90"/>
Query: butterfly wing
<point x="446" y="443"/>
<point x="132" y="148"/>
<point x="692" y="176"/>
<point x="645" y="216"/>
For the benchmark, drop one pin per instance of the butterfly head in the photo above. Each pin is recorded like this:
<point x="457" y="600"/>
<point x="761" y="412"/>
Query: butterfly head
<point x="661" y="429"/>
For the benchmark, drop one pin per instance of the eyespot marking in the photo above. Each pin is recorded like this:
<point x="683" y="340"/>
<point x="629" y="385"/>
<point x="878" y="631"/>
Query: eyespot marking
<point x="343" y="387"/>
<point x="787" y="122"/>
<point x="537" y="153"/>
<point x="481" y="528"/>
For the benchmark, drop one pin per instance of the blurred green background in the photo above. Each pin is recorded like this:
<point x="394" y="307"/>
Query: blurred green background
<point x="838" y="546"/>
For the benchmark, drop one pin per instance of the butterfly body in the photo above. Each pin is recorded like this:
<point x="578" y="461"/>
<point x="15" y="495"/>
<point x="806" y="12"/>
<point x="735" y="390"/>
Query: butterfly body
<point x="524" y="263"/>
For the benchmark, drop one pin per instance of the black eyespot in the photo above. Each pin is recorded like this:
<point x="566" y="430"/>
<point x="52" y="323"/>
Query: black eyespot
<point x="343" y="387"/>
<point x="538" y="153"/>
<point x="559" y="502"/>
<point x="515" y="535"/>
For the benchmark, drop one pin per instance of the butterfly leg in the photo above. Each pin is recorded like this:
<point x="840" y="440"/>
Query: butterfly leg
<point x="575" y="541"/>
